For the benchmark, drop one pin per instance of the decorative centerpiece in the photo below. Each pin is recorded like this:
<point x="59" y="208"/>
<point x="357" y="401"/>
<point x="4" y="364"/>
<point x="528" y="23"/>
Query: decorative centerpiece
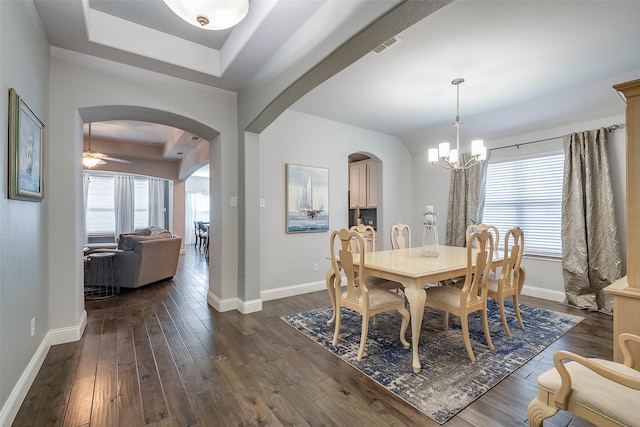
<point x="430" y="246"/>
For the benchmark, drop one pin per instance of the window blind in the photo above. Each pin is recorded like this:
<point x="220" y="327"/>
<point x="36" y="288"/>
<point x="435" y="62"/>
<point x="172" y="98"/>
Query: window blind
<point x="527" y="193"/>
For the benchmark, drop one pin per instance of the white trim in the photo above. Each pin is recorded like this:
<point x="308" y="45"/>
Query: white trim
<point x="547" y="294"/>
<point x="19" y="392"/>
<point x="69" y="334"/>
<point x="244" y="307"/>
<point x="253" y="306"/>
<point x="289" y="291"/>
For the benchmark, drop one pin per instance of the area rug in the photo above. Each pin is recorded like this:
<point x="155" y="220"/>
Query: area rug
<point x="448" y="381"/>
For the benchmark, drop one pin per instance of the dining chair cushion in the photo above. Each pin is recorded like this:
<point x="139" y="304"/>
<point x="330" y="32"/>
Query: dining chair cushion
<point x="379" y="297"/>
<point x="593" y="391"/>
<point x="448" y="295"/>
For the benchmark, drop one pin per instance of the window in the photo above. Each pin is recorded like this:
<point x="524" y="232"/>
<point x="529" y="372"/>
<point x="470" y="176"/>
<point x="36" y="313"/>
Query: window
<point x="101" y="218"/>
<point x="527" y="193"/>
<point x="100" y="214"/>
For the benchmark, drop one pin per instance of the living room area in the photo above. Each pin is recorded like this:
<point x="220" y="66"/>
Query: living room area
<point x="128" y="220"/>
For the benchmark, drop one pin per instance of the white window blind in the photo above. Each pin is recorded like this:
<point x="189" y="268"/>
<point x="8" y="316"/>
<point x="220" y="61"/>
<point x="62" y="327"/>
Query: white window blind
<point x="100" y="215"/>
<point x="527" y="193"/>
<point x="141" y="215"/>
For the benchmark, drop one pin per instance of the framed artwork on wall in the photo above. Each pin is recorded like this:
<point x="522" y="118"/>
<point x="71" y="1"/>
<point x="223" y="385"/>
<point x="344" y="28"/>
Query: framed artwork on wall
<point x="26" y="151"/>
<point x="307" y="199"/>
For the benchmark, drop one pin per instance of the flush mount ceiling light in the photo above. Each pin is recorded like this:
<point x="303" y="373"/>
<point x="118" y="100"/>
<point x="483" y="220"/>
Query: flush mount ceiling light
<point x="449" y="159"/>
<point x="210" y="14"/>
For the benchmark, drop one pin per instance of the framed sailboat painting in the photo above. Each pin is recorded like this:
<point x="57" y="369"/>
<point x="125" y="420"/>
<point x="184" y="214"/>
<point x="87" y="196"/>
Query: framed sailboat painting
<point x="307" y="199"/>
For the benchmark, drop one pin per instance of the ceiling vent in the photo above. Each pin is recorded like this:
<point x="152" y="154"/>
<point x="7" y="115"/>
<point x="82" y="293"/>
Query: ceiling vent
<point x="387" y="44"/>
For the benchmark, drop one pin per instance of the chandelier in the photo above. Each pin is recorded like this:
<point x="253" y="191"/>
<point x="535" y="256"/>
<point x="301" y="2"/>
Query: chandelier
<point x="448" y="158"/>
<point x="210" y="14"/>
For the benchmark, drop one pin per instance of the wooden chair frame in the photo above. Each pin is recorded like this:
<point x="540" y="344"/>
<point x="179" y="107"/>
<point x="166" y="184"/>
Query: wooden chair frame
<point x="509" y="281"/>
<point x="400" y="236"/>
<point x="473" y="295"/>
<point x="358" y="296"/>
<point x="547" y="403"/>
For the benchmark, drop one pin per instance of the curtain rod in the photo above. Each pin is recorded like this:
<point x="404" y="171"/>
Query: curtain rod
<point x="610" y="129"/>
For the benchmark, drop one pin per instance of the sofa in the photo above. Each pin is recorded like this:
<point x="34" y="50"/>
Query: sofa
<point x="146" y="256"/>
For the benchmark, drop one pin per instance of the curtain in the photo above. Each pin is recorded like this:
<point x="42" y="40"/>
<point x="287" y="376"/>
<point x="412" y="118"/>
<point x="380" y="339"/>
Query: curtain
<point x="124" y="203"/>
<point x="197" y="209"/>
<point x="466" y="200"/>
<point x="591" y="252"/>
<point x="156" y="202"/>
<point x="86" y="180"/>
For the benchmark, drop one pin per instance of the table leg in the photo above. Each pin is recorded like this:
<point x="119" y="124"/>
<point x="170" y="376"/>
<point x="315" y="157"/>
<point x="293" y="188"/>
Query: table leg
<point x="416" y="297"/>
<point x="331" y="283"/>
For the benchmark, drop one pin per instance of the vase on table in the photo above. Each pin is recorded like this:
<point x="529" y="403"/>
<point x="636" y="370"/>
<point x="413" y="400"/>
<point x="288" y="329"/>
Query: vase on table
<point x="430" y="246"/>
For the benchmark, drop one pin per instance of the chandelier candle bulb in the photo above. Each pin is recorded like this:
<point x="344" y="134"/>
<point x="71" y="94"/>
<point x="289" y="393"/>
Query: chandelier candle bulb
<point x="477" y="147"/>
<point x="453" y="156"/>
<point x="433" y="155"/>
<point x="443" y="149"/>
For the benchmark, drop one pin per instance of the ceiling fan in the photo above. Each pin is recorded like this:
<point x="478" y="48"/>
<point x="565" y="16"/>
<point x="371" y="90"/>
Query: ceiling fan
<point x="92" y="158"/>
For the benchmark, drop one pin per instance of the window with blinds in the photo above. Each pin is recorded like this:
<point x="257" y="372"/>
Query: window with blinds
<point x="527" y="193"/>
<point x="100" y="215"/>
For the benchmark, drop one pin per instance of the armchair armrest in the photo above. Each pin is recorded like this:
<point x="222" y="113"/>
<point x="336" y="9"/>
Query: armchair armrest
<point x="562" y="395"/>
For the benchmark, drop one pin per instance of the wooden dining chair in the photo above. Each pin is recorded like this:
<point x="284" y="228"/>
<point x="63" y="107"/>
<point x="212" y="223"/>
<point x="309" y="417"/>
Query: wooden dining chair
<point x="601" y="391"/>
<point x="496" y="238"/>
<point x="472" y="296"/>
<point x="400" y="236"/>
<point x="368" y="233"/>
<point x="508" y="282"/>
<point x="358" y="296"/>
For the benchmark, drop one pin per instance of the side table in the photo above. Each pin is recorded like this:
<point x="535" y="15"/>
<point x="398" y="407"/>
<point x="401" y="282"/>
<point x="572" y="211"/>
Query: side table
<point x="101" y="278"/>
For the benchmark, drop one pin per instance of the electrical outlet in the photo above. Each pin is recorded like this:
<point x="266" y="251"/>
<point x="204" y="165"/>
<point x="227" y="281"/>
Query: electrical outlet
<point x="315" y="266"/>
<point x="33" y="326"/>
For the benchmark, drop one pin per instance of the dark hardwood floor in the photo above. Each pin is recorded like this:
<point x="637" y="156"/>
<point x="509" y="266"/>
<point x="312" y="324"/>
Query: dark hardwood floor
<point x="160" y="356"/>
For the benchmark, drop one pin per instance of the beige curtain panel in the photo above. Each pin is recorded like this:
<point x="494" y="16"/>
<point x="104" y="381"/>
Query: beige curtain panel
<point x="591" y="257"/>
<point x="466" y="200"/>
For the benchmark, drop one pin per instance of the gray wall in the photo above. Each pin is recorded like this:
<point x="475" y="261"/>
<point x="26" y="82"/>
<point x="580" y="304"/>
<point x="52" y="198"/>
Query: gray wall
<point x="24" y="286"/>
<point x="287" y="259"/>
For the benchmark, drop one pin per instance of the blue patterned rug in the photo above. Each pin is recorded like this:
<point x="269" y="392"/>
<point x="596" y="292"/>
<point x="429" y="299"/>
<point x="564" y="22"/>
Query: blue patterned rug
<point x="448" y="381"/>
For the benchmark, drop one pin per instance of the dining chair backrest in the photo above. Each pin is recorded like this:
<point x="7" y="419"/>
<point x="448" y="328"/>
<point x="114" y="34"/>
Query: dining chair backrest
<point x="400" y="236"/>
<point x="343" y="261"/>
<point x="368" y="234"/>
<point x="492" y="229"/>
<point x="513" y="251"/>
<point x="474" y="289"/>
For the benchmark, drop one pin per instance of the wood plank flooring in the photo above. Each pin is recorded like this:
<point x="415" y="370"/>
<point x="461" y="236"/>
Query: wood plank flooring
<point x="160" y="356"/>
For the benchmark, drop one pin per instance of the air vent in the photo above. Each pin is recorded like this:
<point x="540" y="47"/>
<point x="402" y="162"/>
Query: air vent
<point x="387" y="44"/>
<point x="194" y="138"/>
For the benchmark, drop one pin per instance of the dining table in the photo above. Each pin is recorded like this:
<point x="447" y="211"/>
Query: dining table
<point x="414" y="271"/>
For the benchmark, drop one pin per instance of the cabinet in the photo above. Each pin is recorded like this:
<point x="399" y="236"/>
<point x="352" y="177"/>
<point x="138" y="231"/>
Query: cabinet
<point x="363" y="184"/>
<point x="626" y="291"/>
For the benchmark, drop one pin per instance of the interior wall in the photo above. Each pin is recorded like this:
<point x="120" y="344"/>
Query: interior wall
<point x="544" y="276"/>
<point x="24" y="261"/>
<point x="287" y="259"/>
<point x="80" y="82"/>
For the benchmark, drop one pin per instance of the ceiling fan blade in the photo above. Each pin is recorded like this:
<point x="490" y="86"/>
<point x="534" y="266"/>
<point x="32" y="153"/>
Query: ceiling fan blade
<point x="113" y="159"/>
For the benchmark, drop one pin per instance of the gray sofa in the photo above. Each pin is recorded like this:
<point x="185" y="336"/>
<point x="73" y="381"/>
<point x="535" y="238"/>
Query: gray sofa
<point x="146" y="256"/>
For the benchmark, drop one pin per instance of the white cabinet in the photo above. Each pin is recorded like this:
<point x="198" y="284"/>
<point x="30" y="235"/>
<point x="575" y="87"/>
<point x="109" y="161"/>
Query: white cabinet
<point x="363" y="184"/>
<point x="373" y="171"/>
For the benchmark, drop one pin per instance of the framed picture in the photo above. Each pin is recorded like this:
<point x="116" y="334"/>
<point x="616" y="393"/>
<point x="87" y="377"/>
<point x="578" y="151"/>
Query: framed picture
<point x="26" y="151"/>
<point x="307" y="199"/>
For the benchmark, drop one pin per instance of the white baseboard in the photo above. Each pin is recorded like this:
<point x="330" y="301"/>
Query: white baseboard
<point x="19" y="392"/>
<point x="289" y="291"/>
<point x="543" y="293"/>
<point x="244" y="307"/>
